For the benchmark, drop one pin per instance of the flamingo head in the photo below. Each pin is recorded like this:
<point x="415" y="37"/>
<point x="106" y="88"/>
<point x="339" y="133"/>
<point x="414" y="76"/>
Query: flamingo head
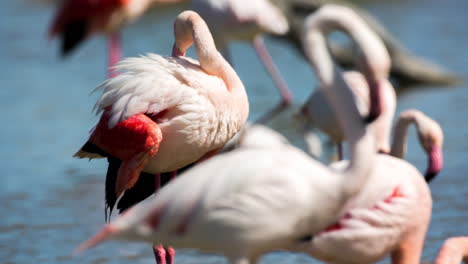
<point x="183" y="32"/>
<point x="431" y="138"/>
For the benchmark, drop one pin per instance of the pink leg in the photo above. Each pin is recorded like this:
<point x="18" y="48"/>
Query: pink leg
<point x="170" y="254"/>
<point x="159" y="254"/>
<point x="273" y="70"/>
<point x="114" y="53"/>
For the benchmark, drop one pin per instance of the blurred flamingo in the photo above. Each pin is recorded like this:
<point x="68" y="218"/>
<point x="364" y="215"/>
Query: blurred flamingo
<point x="75" y="20"/>
<point x="253" y="200"/>
<point x="454" y="251"/>
<point x="247" y="20"/>
<point x="163" y="113"/>
<point x="318" y="112"/>
<point x="391" y="212"/>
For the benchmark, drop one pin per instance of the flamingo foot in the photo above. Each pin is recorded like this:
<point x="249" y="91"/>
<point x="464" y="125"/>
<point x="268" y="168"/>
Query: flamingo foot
<point x="159" y="254"/>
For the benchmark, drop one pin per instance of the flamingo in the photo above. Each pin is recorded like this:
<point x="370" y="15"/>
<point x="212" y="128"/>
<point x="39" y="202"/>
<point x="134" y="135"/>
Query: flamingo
<point x="317" y="111"/>
<point x="245" y="20"/>
<point x="430" y="137"/>
<point x="407" y="69"/>
<point x="163" y="113"/>
<point x="240" y="203"/>
<point x="75" y="20"/>
<point x="391" y="212"/>
<point x="454" y="251"/>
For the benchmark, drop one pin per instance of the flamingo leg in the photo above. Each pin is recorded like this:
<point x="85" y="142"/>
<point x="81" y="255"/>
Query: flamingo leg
<point x="170" y="255"/>
<point x="115" y="53"/>
<point x="163" y="255"/>
<point x="273" y="70"/>
<point x="159" y="254"/>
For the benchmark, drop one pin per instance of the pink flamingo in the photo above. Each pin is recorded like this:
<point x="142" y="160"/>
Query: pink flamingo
<point x="318" y="112"/>
<point x="76" y="20"/>
<point x="391" y="213"/>
<point x="454" y="251"/>
<point x="240" y="203"/>
<point x="163" y="113"/>
<point x="246" y="20"/>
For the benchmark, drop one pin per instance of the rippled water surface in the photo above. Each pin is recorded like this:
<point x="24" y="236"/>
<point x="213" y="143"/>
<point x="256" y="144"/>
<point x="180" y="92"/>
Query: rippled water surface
<point x="51" y="202"/>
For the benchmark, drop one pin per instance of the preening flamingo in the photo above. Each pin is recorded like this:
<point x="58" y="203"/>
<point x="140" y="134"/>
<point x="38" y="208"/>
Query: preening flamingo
<point x="75" y="20"/>
<point x="247" y="20"/>
<point x="454" y="251"/>
<point x="391" y="213"/>
<point x="160" y="114"/>
<point x="240" y="203"/>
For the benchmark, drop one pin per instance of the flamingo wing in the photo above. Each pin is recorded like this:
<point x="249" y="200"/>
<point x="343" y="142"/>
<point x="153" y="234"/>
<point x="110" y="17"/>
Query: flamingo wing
<point x="153" y="84"/>
<point x="128" y="146"/>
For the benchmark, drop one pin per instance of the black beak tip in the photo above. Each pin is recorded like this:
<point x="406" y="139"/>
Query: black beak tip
<point x="370" y="118"/>
<point x="429" y="176"/>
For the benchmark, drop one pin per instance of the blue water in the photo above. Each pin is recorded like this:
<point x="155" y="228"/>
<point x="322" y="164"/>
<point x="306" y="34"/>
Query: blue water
<point x="52" y="202"/>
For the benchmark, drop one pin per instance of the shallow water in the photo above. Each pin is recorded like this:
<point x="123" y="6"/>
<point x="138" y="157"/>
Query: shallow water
<point x="51" y="202"/>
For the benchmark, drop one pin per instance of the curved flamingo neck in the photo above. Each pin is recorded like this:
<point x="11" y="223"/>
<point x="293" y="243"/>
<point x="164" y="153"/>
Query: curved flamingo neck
<point x="400" y="134"/>
<point x="362" y="143"/>
<point x="190" y="28"/>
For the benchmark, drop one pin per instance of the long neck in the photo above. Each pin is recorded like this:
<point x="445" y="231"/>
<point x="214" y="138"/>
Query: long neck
<point x="210" y="59"/>
<point x="362" y="143"/>
<point x="400" y="133"/>
<point x="190" y="28"/>
<point x="383" y="124"/>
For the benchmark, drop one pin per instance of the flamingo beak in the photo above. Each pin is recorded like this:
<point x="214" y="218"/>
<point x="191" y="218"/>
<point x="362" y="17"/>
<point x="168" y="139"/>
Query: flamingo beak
<point x="100" y="237"/>
<point x="176" y="52"/>
<point x="375" y="102"/>
<point x="435" y="163"/>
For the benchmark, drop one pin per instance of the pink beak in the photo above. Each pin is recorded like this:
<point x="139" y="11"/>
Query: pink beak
<point x="176" y="52"/>
<point x="435" y="163"/>
<point x="101" y="236"/>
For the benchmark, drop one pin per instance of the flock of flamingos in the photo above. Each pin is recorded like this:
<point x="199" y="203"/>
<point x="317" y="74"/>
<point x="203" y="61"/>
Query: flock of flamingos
<point x="160" y="115"/>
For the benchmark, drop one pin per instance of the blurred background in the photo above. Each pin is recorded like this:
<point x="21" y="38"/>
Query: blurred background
<point x="51" y="202"/>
